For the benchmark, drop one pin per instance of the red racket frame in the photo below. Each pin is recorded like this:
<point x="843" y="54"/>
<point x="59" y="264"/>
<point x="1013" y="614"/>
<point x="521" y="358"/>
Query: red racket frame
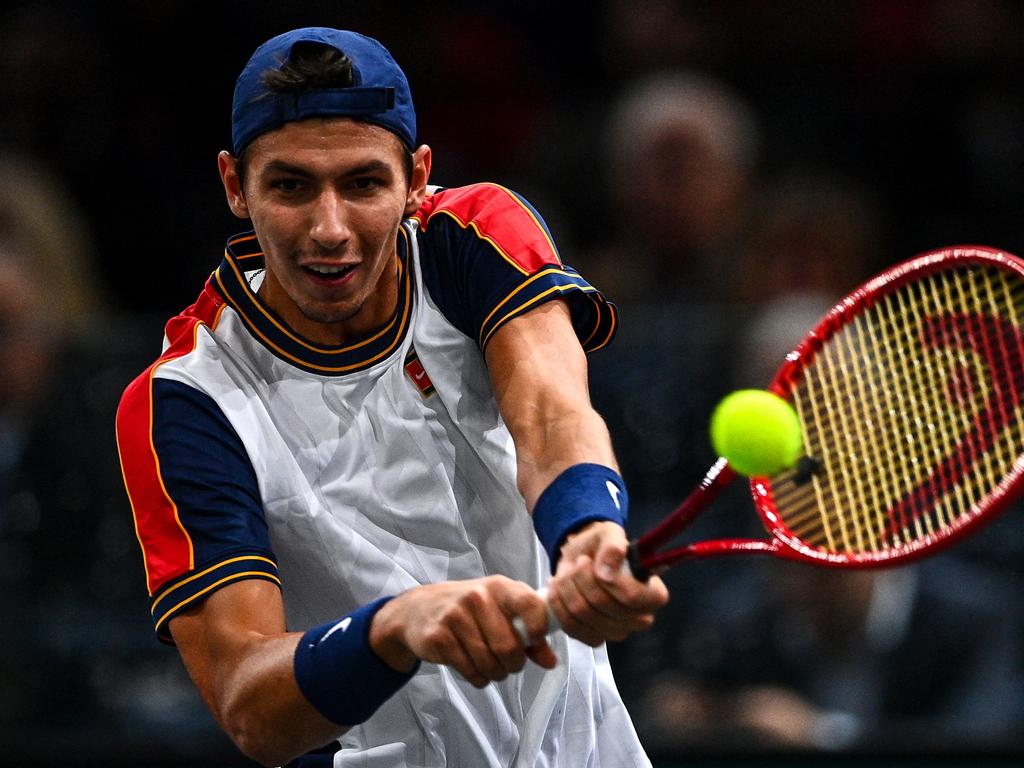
<point x="644" y="558"/>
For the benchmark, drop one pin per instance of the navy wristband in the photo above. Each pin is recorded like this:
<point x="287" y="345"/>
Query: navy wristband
<point x="582" y="494"/>
<point x="340" y="674"/>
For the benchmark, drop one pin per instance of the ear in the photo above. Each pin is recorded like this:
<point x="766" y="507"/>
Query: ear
<point x="228" y="167"/>
<point x="421" y="159"/>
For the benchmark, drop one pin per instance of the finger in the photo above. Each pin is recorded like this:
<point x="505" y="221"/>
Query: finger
<point x="442" y="645"/>
<point x="626" y="590"/>
<point x="610" y="558"/>
<point x="543" y="655"/>
<point x="496" y="627"/>
<point x="596" y="604"/>
<point x="531" y="616"/>
<point x="602" y="597"/>
<point x="473" y="657"/>
<point x="493" y="645"/>
<point x="640" y="596"/>
<point x="655" y="594"/>
<point x="534" y="636"/>
<point x="573" y="611"/>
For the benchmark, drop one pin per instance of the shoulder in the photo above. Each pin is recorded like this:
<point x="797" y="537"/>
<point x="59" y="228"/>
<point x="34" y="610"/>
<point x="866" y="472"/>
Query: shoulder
<point x="467" y="199"/>
<point x="491" y="214"/>
<point x="487" y="256"/>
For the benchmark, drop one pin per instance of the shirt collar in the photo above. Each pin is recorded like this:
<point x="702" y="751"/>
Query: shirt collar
<point x="243" y="258"/>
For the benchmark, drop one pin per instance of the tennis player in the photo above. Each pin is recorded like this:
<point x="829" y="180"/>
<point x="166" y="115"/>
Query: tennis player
<point x="369" y="442"/>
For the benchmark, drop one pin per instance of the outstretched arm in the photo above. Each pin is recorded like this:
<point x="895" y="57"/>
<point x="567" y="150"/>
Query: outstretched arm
<point x="539" y="374"/>
<point x="240" y="656"/>
<point x="277" y="700"/>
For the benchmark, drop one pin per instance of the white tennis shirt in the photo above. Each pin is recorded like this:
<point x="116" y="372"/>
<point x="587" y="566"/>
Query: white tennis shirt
<point x="346" y="474"/>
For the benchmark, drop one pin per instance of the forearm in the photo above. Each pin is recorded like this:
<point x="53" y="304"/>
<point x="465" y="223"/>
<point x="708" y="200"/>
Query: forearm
<point x="247" y="680"/>
<point x="279" y="694"/>
<point x="261" y="708"/>
<point x="559" y="441"/>
<point x="568" y="476"/>
<point x="539" y="372"/>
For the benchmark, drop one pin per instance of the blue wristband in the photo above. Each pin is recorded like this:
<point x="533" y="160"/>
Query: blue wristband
<point x="581" y="494"/>
<point x="340" y="674"/>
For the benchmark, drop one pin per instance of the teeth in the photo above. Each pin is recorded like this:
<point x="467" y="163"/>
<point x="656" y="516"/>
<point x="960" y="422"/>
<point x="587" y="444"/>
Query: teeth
<point x="325" y="270"/>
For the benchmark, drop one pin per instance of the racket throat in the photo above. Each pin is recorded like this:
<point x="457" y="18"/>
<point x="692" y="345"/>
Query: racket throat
<point x="636" y="566"/>
<point x="806" y="468"/>
<point x="705" y="549"/>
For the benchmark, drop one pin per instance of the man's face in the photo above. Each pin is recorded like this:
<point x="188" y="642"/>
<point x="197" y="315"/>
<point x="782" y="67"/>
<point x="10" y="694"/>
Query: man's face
<point x="326" y="197"/>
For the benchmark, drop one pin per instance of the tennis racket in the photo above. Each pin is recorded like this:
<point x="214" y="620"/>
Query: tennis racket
<point x="910" y="395"/>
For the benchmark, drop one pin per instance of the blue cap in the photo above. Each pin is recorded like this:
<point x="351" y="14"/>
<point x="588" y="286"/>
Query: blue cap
<point x="379" y="94"/>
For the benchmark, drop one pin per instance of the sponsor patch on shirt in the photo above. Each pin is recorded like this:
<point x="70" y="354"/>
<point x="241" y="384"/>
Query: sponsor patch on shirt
<point x="419" y="377"/>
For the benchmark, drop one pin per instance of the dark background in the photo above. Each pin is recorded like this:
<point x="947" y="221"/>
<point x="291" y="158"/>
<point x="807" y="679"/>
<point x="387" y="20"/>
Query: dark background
<point x="884" y="129"/>
<point x="129" y="104"/>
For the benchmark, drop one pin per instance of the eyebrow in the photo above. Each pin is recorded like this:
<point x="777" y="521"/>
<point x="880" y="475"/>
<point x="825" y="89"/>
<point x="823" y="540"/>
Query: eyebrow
<point x="371" y="166"/>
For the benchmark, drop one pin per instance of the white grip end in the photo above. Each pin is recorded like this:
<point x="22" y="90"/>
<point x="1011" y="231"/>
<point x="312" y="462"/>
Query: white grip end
<point x="520" y="625"/>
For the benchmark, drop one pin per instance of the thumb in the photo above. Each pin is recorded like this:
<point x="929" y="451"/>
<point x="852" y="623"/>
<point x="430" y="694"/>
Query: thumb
<point x="609" y="559"/>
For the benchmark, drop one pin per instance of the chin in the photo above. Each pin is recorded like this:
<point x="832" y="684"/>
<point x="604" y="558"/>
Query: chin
<point x="330" y="315"/>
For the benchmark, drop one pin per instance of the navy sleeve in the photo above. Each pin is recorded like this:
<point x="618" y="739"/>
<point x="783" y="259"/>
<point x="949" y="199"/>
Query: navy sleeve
<point x="208" y="477"/>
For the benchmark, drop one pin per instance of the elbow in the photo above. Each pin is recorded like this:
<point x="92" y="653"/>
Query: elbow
<point x="258" y="741"/>
<point x="275" y="742"/>
<point x="258" y="748"/>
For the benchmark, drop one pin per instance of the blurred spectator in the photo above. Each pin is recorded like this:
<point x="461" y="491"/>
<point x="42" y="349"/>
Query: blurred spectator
<point x="44" y="294"/>
<point x="773" y="655"/>
<point x="817" y="235"/>
<point x="682" y="155"/>
<point x="45" y="228"/>
<point x="912" y="660"/>
<point x="26" y="357"/>
<point x="79" y="657"/>
<point x="47" y="291"/>
<point x="682" y="151"/>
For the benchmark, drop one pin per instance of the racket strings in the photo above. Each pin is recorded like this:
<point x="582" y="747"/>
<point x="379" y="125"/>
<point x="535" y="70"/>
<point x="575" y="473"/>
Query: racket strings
<point x="914" y="410"/>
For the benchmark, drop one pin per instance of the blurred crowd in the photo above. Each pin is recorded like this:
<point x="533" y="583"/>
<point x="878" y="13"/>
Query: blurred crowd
<point x="723" y="171"/>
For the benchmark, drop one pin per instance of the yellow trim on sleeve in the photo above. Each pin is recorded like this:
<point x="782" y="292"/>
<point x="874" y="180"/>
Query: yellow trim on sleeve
<point x="518" y="288"/>
<point x="216" y="585"/>
<point x="522" y="307"/>
<point x="199" y="575"/>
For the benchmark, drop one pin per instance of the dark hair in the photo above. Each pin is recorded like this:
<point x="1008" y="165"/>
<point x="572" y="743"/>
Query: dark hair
<point x="312" y="66"/>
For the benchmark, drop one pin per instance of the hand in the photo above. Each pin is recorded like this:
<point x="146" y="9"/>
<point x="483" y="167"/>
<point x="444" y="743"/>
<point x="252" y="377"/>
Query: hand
<point x="466" y="625"/>
<point x="593" y="595"/>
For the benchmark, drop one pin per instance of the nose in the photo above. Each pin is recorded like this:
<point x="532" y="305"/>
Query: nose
<point x="330" y="227"/>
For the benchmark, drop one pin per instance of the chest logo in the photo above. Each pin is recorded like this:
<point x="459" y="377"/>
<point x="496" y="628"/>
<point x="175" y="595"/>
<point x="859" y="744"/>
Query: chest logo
<point x="415" y="371"/>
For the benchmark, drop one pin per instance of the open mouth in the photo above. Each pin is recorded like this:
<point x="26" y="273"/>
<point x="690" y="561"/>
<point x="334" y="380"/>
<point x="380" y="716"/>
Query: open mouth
<point x="329" y="273"/>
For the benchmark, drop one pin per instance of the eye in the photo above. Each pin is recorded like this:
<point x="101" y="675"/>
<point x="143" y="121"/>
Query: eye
<point x="366" y="183"/>
<point x="286" y="185"/>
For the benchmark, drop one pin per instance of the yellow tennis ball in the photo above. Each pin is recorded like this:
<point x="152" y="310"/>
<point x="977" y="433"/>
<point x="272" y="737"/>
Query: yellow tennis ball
<point x="757" y="432"/>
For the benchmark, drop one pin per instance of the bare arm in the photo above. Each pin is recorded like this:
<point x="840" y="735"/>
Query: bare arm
<point x="539" y="374"/>
<point x="241" y="658"/>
